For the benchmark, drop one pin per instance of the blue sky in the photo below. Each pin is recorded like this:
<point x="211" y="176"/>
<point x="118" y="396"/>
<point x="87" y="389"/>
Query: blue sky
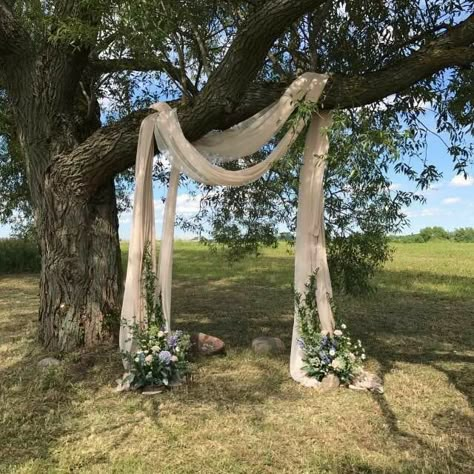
<point x="450" y="202"/>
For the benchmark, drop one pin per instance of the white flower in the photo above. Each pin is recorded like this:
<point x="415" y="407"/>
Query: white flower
<point x="137" y="359"/>
<point x="343" y="326"/>
<point x="349" y="343"/>
<point x="155" y="348"/>
<point x="161" y="334"/>
<point x="362" y="356"/>
<point x="174" y="359"/>
<point x="149" y="359"/>
<point x="352" y="357"/>
<point x="338" y="363"/>
<point x="338" y="332"/>
<point x="358" y="342"/>
<point x="176" y="349"/>
<point x="332" y="352"/>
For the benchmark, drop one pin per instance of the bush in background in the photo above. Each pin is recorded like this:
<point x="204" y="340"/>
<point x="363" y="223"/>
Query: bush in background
<point x="430" y="234"/>
<point x="19" y="256"/>
<point x="464" y="234"/>
<point x="433" y="233"/>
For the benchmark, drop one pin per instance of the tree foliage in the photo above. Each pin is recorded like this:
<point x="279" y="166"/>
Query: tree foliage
<point x="384" y="61"/>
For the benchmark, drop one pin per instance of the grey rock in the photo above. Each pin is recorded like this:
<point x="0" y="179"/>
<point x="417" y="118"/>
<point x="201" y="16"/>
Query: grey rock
<point x="48" y="362"/>
<point x="367" y="381"/>
<point x="265" y="345"/>
<point x="330" y="382"/>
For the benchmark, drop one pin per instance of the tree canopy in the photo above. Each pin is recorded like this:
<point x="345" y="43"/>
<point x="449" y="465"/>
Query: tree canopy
<point x="76" y="77"/>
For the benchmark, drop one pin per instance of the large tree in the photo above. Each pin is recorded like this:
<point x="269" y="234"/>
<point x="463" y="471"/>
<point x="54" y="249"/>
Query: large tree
<point x="228" y="60"/>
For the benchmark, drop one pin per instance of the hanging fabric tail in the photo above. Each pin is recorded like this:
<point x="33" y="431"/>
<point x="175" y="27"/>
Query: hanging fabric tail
<point x="142" y="232"/>
<point x="310" y="250"/>
<point x="165" y="269"/>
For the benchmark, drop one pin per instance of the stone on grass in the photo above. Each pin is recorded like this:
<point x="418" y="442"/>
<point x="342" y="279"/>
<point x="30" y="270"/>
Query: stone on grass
<point x="48" y="362"/>
<point x="204" y="344"/>
<point x="330" y="382"/>
<point x="367" y="381"/>
<point x="266" y="345"/>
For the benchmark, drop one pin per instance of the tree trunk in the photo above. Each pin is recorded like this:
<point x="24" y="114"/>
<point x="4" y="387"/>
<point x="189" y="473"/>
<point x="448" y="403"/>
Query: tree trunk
<point x="81" y="279"/>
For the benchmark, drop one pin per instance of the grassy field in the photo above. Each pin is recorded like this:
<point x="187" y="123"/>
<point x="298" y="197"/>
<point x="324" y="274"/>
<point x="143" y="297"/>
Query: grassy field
<point x="241" y="413"/>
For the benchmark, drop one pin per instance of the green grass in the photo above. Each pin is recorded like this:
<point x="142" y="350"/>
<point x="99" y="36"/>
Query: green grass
<point x="242" y="413"/>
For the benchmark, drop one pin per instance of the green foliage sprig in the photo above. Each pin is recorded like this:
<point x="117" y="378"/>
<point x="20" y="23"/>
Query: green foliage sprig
<point x="153" y="308"/>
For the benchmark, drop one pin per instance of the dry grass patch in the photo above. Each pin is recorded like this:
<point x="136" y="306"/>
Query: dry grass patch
<point x="241" y="413"/>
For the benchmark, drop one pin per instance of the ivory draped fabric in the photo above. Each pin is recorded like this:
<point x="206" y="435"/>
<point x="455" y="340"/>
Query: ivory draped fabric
<point x="310" y="242"/>
<point x="199" y="161"/>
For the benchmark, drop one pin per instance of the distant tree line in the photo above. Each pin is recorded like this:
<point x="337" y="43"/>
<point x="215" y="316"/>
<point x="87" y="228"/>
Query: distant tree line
<point x="429" y="234"/>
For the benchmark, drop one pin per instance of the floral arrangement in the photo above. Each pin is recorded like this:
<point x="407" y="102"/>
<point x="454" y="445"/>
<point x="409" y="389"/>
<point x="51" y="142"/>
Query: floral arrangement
<point x="161" y="357"/>
<point x="326" y="353"/>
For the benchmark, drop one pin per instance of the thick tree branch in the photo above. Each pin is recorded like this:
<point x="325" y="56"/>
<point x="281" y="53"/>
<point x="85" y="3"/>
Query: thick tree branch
<point x="244" y="59"/>
<point x="13" y="38"/>
<point x="112" y="149"/>
<point x="453" y="48"/>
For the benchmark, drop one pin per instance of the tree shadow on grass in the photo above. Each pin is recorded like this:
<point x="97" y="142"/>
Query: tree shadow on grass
<point x="398" y="325"/>
<point x="411" y="323"/>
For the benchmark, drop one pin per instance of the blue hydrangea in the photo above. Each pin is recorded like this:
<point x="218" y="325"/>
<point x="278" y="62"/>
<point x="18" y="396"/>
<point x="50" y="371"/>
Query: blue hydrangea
<point x="325" y="360"/>
<point x="165" y="357"/>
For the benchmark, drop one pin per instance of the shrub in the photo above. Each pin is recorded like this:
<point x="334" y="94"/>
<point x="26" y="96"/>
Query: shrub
<point x="434" y="233"/>
<point x="464" y="234"/>
<point x="354" y="259"/>
<point x="19" y="256"/>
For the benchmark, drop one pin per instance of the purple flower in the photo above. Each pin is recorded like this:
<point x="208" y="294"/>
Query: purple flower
<point x="173" y="341"/>
<point x="165" y="357"/>
<point x="324" y="358"/>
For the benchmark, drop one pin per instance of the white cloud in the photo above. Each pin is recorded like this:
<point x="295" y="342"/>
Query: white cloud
<point x="451" y="200"/>
<point x="461" y="182"/>
<point x="186" y="205"/>
<point x="394" y="186"/>
<point x="426" y="212"/>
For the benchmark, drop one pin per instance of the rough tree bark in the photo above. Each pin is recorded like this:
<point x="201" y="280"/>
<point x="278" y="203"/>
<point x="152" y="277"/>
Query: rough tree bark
<point x="71" y="162"/>
<point x="80" y="282"/>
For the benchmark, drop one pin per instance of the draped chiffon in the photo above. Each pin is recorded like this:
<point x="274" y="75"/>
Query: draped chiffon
<point x="200" y="161"/>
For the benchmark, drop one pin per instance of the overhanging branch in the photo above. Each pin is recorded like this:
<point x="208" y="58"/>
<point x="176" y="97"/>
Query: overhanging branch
<point x="13" y="38"/>
<point x="112" y="149"/>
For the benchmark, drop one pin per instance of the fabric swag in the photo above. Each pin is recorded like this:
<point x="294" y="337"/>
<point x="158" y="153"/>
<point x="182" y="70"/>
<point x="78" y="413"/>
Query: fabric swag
<point x="201" y="161"/>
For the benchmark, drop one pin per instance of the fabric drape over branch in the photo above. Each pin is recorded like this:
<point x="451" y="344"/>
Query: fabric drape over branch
<point x="199" y="161"/>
